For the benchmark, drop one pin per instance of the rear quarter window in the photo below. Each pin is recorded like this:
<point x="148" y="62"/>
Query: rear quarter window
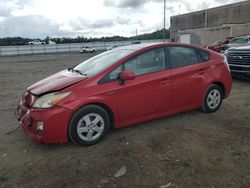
<point x="203" y="55"/>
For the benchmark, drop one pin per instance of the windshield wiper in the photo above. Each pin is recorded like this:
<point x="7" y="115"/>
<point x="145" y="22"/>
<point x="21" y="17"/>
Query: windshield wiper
<point x="78" y="71"/>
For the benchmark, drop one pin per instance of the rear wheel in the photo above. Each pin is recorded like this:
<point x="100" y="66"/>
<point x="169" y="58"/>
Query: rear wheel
<point x="88" y="125"/>
<point x="212" y="99"/>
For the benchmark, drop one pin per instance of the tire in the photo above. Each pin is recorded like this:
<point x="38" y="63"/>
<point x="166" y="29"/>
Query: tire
<point x="88" y="125"/>
<point x="212" y="99"/>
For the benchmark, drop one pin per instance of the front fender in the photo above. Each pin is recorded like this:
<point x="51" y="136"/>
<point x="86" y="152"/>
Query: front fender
<point x="106" y="99"/>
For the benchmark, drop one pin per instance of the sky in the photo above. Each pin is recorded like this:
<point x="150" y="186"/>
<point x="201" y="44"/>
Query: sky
<point x="91" y="18"/>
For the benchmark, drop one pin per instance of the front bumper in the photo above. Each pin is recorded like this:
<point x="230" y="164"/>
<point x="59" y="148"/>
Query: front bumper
<point x="240" y="69"/>
<point x="55" y="123"/>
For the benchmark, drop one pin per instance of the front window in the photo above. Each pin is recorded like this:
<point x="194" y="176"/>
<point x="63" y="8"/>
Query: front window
<point x="238" y="41"/>
<point x="148" y="62"/>
<point x="100" y="62"/>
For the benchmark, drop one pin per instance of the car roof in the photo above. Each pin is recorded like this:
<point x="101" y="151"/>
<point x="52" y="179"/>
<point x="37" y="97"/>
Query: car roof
<point x="135" y="47"/>
<point x="242" y="37"/>
<point x="138" y="47"/>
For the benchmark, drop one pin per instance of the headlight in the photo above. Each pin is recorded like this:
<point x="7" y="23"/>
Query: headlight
<point x="226" y="53"/>
<point x="226" y="62"/>
<point x="49" y="100"/>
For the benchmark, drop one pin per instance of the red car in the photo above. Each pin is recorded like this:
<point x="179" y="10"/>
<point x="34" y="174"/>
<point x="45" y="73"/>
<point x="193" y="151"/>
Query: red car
<point x="217" y="46"/>
<point x="121" y="87"/>
<point x="220" y="46"/>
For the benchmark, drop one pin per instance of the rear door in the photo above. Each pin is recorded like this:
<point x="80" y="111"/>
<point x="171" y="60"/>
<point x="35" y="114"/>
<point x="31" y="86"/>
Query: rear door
<point x="189" y="68"/>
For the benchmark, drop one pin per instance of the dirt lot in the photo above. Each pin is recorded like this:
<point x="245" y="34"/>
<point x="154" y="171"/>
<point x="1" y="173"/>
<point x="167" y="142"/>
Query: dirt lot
<point x="191" y="149"/>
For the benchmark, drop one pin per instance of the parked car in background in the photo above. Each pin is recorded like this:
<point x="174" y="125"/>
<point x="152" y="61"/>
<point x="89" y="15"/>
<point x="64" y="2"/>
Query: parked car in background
<point x="217" y="46"/>
<point x="136" y="42"/>
<point x="112" y="47"/>
<point x="238" y="41"/>
<point x="220" y="45"/>
<point x="239" y="60"/>
<point x="36" y="42"/>
<point x="50" y="42"/>
<point x="87" y="49"/>
<point x="122" y="87"/>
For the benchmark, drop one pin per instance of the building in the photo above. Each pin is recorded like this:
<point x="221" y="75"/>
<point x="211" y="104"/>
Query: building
<point x="206" y="26"/>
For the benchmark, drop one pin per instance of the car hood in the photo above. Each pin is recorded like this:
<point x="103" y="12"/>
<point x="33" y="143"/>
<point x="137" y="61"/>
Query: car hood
<point x="56" y="82"/>
<point x="240" y="48"/>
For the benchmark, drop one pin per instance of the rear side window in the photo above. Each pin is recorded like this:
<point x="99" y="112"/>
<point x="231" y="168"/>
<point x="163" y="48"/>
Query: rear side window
<point x="182" y="56"/>
<point x="203" y="56"/>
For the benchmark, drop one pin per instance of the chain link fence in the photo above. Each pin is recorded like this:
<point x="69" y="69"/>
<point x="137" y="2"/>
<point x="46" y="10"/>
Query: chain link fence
<point x="61" y="48"/>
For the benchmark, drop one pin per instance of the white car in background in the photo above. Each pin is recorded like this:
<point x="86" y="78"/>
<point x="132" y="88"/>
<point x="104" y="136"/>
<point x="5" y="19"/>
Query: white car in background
<point x="87" y="49"/>
<point x="112" y="47"/>
<point x="50" y="42"/>
<point x="36" y="42"/>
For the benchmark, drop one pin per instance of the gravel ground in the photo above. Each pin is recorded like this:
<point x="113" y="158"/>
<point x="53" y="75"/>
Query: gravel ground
<point x="191" y="149"/>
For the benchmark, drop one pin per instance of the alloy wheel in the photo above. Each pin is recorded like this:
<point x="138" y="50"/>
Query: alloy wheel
<point x="90" y="127"/>
<point x="214" y="99"/>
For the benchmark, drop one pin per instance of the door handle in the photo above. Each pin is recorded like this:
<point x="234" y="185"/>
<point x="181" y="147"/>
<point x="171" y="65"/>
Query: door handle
<point x="111" y="92"/>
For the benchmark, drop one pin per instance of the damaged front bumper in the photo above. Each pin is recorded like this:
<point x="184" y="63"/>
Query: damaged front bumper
<point x="44" y="125"/>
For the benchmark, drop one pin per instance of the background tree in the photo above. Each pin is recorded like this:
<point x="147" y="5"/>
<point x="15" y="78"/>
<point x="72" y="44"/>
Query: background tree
<point x="80" y="39"/>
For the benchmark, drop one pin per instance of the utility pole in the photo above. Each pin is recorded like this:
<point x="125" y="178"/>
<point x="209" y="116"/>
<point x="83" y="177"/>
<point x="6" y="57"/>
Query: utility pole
<point x="164" y="27"/>
<point x="205" y="19"/>
<point x="179" y="7"/>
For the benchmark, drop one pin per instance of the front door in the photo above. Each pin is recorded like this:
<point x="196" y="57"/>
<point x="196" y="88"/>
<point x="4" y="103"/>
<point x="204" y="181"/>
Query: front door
<point x="150" y="92"/>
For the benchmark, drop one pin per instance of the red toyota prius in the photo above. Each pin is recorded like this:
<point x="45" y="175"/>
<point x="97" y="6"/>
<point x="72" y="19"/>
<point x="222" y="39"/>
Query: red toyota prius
<point x="122" y="87"/>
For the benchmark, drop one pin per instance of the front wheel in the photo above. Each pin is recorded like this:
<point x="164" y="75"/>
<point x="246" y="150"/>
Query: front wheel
<point x="212" y="98"/>
<point x="88" y="125"/>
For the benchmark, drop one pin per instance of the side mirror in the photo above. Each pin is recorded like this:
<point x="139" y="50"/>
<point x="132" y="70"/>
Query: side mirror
<point x="126" y="75"/>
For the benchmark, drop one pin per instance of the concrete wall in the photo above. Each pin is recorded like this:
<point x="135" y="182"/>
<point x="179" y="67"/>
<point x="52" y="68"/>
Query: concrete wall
<point x="207" y="36"/>
<point x="237" y="13"/>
